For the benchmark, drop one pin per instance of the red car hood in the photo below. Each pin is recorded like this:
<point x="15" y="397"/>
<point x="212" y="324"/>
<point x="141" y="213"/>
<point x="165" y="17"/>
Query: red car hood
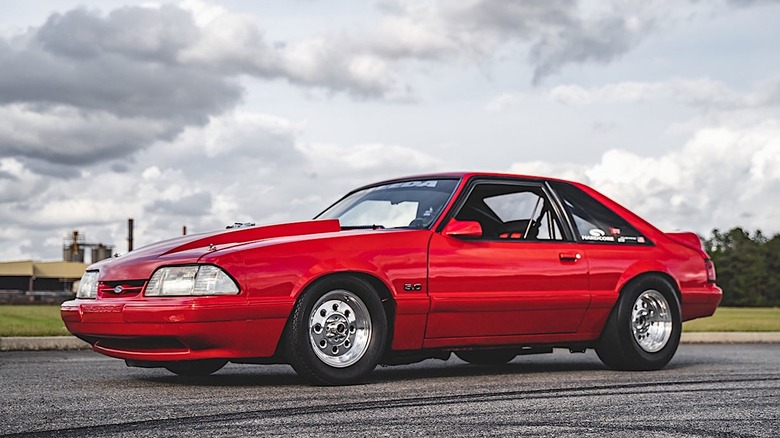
<point x="141" y="263"/>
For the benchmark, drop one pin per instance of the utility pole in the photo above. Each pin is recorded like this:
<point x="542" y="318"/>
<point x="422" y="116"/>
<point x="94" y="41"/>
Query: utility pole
<point x="129" y="234"/>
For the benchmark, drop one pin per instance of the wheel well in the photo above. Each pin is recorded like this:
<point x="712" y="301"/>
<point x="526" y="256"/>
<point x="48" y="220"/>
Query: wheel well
<point x="384" y="294"/>
<point x="657" y="274"/>
<point x="388" y="303"/>
<point x="643" y="275"/>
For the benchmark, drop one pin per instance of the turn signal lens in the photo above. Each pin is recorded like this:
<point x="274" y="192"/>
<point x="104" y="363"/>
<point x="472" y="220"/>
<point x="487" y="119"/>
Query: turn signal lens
<point x="88" y="285"/>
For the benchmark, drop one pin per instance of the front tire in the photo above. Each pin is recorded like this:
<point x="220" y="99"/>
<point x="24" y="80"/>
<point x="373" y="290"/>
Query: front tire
<point x="337" y="332"/>
<point x="196" y="368"/>
<point x="643" y="330"/>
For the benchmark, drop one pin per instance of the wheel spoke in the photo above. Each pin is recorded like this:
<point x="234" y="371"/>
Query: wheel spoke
<point x="651" y="321"/>
<point x="340" y="328"/>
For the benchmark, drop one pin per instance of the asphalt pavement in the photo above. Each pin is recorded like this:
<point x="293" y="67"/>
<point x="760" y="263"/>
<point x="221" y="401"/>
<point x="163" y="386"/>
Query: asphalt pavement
<point x="34" y="343"/>
<point x="707" y="390"/>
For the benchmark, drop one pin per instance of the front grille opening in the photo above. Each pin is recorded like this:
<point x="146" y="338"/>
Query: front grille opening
<point x="127" y="288"/>
<point x="146" y="343"/>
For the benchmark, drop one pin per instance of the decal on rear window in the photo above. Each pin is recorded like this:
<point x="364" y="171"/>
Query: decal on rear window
<point x="594" y="222"/>
<point x="597" y="234"/>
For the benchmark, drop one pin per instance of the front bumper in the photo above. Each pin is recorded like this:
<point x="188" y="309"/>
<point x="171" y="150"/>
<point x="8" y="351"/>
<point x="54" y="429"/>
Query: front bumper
<point x="178" y="328"/>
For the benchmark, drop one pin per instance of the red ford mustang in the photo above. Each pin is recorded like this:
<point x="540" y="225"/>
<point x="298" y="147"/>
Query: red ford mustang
<point x="487" y="266"/>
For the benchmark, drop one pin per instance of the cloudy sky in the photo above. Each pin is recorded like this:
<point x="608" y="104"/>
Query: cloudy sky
<point x="201" y="114"/>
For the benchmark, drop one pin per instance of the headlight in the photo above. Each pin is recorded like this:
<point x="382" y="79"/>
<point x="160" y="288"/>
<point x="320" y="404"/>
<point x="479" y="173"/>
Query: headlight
<point x="88" y="285"/>
<point x="176" y="281"/>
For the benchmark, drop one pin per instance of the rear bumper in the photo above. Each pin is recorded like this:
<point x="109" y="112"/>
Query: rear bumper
<point x="698" y="303"/>
<point x="177" y="329"/>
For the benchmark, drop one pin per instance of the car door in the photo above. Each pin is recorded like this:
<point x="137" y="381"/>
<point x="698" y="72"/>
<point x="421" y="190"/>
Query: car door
<point x="523" y="275"/>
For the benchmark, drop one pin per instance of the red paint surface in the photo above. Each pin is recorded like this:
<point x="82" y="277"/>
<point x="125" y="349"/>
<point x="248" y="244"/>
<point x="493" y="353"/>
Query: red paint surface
<point x="473" y="292"/>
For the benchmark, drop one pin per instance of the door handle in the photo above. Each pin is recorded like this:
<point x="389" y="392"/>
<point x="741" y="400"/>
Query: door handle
<point x="569" y="256"/>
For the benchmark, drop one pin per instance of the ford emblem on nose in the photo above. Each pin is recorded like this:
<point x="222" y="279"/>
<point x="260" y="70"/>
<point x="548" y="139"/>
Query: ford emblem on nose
<point x="118" y="289"/>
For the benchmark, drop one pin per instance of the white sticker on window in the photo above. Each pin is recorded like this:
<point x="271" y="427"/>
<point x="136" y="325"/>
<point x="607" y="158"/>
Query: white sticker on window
<point x="407" y="184"/>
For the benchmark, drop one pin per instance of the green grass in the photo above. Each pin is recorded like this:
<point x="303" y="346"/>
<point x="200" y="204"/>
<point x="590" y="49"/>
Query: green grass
<point x="45" y="321"/>
<point x="738" y="319"/>
<point x="40" y="320"/>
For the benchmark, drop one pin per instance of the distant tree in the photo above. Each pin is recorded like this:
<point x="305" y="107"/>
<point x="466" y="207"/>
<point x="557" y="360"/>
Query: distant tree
<point x="748" y="267"/>
<point x="772" y="254"/>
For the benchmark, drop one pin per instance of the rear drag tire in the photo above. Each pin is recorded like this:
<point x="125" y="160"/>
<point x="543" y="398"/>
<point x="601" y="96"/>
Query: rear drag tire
<point x="643" y="330"/>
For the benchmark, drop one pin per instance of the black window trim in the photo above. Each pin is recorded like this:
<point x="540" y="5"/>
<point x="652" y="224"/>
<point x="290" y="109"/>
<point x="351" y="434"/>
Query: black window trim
<point x="573" y="228"/>
<point x="562" y="212"/>
<point x="569" y="236"/>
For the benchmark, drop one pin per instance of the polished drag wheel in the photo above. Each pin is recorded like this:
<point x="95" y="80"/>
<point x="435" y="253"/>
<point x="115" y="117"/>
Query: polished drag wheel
<point x="339" y="328"/>
<point x="643" y="330"/>
<point x="337" y="331"/>
<point x="651" y="321"/>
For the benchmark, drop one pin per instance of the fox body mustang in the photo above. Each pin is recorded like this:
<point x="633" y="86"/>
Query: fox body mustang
<point x="487" y="266"/>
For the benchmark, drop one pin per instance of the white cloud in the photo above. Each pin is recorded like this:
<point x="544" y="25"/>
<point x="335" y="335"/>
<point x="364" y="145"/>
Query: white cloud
<point x="240" y="167"/>
<point x="698" y="92"/>
<point x="17" y="183"/>
<point x="201" y="116"/>
<point x="68" y="135"/>
<point x="239" y="132"/>
<point x="369" y="159"/>
<point x="720" y="178"/>
<point x="503" y="102"/>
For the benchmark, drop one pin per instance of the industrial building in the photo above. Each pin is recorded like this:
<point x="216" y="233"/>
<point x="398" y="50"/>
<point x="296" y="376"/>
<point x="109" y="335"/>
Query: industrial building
<point x="28" y="281"/>
<point x="28" y="275"/>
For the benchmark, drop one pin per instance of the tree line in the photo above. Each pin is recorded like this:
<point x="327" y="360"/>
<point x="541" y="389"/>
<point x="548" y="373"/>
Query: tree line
<point x="747" y="265"/>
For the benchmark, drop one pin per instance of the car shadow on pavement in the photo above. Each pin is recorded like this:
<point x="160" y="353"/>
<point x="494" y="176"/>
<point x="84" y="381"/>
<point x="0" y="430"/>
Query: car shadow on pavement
<point x="233" y="375"/>
<point x="284" y="375"/>
<point x="241" y="375"/>
<point x="457" y="368"/>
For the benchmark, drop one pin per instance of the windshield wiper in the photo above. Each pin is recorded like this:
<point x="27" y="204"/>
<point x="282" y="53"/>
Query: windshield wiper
<point x="362" y="227"/>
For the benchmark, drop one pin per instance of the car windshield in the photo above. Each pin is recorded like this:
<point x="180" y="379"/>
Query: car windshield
<point x="406" y="204"/>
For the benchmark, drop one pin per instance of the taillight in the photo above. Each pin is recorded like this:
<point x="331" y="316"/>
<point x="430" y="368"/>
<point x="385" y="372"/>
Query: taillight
<point x="710" y="270"/>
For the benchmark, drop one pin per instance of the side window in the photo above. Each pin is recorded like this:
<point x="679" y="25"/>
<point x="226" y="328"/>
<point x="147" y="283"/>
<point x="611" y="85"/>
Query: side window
<point x="593" y="221"/>
<point x="511" y="212"/>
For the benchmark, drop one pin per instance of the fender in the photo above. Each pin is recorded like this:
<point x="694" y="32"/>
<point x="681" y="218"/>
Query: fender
<point x="407" y="302"/>
<point x="644" y="267"/>
<point x="340" y="266"/>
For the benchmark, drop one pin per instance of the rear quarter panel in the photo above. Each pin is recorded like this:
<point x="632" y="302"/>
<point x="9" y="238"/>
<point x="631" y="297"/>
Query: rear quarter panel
<point x="613" y="266"/>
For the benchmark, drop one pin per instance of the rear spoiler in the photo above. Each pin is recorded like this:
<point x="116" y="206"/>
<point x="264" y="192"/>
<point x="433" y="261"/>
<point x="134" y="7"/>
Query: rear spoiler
<point x="688" y="240"/>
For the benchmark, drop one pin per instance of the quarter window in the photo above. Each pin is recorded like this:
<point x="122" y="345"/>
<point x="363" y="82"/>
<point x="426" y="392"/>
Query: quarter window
<point x="593" y="222"/>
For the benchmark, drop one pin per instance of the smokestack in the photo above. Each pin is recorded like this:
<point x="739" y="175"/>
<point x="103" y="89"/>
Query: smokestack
<point x="129" y="234"/>
<point x="74" y="246"/>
